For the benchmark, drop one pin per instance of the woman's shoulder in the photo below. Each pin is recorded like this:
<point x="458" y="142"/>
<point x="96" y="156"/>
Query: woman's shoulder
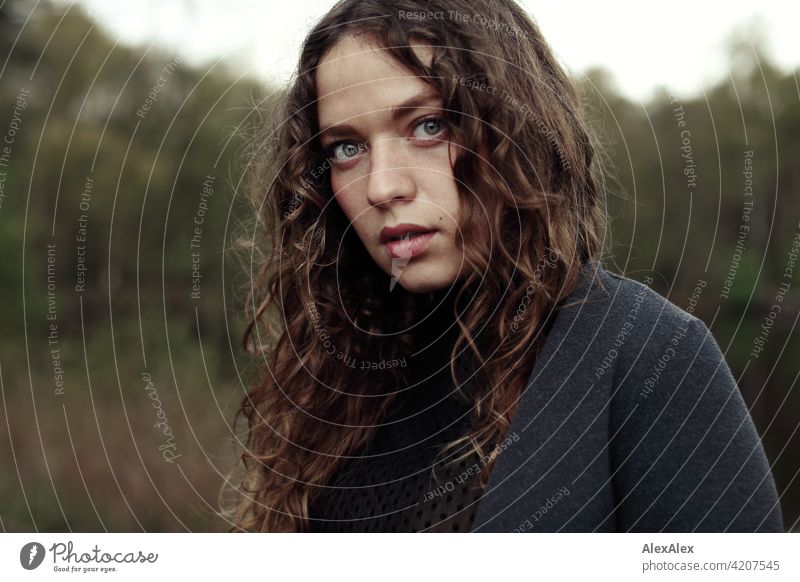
<point x="618" y="307"/>
<point x="635" y="336"/>
<point x="682" y="430"/>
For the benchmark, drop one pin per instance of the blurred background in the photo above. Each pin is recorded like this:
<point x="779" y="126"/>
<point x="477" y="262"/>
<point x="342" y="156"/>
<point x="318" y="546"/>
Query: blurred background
<point x="121" y="129"/>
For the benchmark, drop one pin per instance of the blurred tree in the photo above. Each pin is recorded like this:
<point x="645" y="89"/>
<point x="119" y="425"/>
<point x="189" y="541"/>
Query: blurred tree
<point x="122" y="139"/>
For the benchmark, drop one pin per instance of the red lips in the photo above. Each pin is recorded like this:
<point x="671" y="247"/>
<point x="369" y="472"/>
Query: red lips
<point x="392" y="232"/>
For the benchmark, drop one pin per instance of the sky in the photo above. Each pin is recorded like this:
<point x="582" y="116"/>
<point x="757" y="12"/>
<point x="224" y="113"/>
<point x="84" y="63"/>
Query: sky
<point x="644" y="45"/>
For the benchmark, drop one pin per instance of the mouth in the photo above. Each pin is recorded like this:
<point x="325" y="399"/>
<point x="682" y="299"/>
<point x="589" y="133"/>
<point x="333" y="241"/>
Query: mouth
<point x="405" y="230"/>
<point x="405" y="241"/>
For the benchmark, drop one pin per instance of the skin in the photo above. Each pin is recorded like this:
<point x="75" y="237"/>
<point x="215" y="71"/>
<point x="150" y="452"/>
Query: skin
<point x="390" y="169"/>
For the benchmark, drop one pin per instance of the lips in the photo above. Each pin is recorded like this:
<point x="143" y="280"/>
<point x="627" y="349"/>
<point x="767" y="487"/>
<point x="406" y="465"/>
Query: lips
<point x="405" y="241"/>
<point x="400" y="231"/>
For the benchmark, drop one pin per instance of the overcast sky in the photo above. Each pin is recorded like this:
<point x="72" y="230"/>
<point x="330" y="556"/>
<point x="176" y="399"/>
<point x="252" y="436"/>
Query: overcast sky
<point x="644" y="44"/>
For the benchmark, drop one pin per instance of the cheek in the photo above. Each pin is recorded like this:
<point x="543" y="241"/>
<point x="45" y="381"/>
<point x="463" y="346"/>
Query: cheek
<point x="440" y="184"/>
<point x="353" y="205"/>
<point x="345" y="197"/>
<point x="447" y="202"/>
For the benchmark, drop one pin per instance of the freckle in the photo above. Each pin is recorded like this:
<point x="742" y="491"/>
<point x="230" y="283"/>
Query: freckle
<point x="440" y="218"/>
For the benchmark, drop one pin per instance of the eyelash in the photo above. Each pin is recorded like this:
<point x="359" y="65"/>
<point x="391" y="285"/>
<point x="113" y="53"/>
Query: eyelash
<point x="330" y="150"/>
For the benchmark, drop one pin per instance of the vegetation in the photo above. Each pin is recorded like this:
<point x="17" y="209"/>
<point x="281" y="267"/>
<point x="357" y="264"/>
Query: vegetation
<point x="120" y="196"/>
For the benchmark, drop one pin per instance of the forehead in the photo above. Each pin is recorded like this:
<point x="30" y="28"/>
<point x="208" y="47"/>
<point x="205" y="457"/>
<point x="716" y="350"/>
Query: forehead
<point x="356" y="77"/>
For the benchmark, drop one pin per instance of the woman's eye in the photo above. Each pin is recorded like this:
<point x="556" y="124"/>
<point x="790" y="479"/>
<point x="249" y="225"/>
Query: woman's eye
<point x="344" y="151"/>
<point x="428" y="128"/>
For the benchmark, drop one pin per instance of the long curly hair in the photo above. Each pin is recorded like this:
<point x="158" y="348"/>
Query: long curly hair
<point x="318" y="294"/>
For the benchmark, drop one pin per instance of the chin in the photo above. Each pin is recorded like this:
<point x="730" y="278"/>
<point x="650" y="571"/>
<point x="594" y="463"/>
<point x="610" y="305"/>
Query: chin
<point x="418" y="287"/>
<point x="417" y="279"/>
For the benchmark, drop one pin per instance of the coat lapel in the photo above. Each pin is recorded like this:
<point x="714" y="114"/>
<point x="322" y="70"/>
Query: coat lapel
<point x="532" y="484"/>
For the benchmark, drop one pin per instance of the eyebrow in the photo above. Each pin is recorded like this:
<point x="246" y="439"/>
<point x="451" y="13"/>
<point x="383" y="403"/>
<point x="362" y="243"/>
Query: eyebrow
<point x="414" y="102"/>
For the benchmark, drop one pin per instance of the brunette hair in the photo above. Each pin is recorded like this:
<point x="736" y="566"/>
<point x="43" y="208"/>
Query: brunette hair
<point x="307" y="413"/>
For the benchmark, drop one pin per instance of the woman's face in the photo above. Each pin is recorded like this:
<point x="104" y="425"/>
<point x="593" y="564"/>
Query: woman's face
<point x="381" y="128"/>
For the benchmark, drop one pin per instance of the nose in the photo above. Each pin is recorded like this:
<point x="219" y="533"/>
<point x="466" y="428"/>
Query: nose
<point x="390" y="176"/>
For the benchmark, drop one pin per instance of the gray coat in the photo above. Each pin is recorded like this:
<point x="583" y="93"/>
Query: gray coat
<point x="630" y="421"/>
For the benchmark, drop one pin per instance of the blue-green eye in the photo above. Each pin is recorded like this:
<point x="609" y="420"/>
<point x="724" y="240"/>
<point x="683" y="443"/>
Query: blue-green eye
<point x="429" y="127"/>
<point x="343" y="151"/>
<point x="347" y="150"/>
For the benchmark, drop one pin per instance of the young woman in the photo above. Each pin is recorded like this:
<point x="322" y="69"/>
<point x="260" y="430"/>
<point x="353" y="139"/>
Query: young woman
<point x="443" y="350"/>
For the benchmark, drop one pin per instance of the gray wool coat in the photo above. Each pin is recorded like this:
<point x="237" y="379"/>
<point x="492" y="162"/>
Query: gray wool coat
<point x="630" y="421"/>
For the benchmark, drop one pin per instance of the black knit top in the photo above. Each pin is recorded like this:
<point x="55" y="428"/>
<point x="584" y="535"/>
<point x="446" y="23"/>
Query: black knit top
<point x="390" y="487"/>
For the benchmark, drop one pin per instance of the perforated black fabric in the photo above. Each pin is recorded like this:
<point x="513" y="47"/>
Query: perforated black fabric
<point x="390" y="488"/>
